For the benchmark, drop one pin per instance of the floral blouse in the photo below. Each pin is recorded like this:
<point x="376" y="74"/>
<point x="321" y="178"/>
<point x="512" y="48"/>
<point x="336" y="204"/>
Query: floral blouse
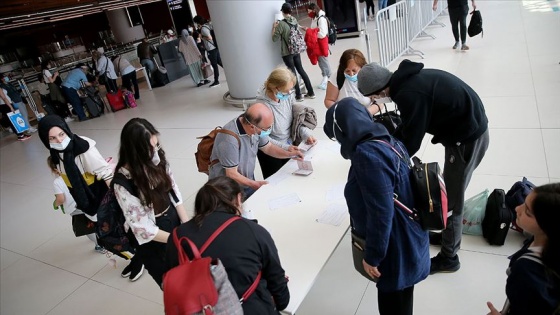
<point x="139" y="217"/>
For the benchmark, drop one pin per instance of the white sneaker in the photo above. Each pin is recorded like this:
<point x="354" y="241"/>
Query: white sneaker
<point x="32" y="130"/>
<point x="322" y="86"/>
<point x="68" y="119"/>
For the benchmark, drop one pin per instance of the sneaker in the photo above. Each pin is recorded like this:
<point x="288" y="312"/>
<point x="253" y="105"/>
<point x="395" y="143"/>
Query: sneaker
<point x="137" y="273"/>
<point x="99" y="249"/>
<point x="127" y="270"/>
<point x="435" y="238"/>
<point x="456" y="45"/>
<point x="201" y="83"/>
<point x="440" y="263"/>
<point x="299" y="99"/>
<point x="311" y="96"/>
<point x="216" y="83"/>
<point x="322" y="86"/>
<point x="68" y="119"/>
<point x="465" y="47"/>
<point x="206" y="81"/>
<point x="32" y="130"/>
<point x="23" y="137"/>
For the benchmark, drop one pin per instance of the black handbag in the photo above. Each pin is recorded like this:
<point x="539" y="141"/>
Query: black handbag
<point x="82" y="225"/>
<point x="358" y="246"/>
<point x="390" y="119"/>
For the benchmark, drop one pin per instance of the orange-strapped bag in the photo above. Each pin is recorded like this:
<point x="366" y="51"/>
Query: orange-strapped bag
<point x="205" y="146"/>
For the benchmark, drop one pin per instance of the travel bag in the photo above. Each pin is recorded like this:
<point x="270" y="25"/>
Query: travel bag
<point x="116" y="101"/>
<point x="497" y="218"/>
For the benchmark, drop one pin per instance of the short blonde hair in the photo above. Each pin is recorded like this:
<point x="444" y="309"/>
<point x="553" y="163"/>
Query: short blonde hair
<point x="279" y="77"/>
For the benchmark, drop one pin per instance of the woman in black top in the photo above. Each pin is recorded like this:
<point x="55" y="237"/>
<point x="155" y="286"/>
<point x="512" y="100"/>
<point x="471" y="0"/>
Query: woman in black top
<point x="244" y="247"/>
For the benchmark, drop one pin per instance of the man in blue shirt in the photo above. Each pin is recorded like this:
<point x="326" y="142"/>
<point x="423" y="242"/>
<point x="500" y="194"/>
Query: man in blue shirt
<point x="72" y="84"/>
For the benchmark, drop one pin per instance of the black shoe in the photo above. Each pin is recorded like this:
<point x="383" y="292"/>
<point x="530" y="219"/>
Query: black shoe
<point x="136" y="272"/>
<point x="441" y="263"/>
<point x="435" y="238"/>
<point x="201" y="83"/>
<point x="205" y="81"/>
<point x="127" y="270"/>
<point x="216" y="83"/>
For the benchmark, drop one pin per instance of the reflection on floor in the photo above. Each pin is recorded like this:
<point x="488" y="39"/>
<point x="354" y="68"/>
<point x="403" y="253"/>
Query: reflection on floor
<point x="514" y="68"/>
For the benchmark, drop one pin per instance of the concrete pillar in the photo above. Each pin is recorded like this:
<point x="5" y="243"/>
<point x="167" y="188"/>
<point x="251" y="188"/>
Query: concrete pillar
<point x="118" y="20"/>
<point x="243" y="32"/>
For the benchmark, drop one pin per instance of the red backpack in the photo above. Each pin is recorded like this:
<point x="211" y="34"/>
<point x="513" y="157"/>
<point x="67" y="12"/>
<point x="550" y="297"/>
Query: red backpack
<point x="201" y="285"/>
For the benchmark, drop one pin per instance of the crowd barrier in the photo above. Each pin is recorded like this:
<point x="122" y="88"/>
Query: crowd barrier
<point x="399" y="24"/>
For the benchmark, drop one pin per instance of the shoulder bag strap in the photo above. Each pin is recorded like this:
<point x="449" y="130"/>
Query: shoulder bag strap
<point x="252" y="288"/>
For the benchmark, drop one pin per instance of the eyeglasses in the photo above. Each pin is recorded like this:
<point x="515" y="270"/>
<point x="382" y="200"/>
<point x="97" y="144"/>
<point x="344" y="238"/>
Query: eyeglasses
<point x="292" y="91"/>
<point x="265" y="130"/>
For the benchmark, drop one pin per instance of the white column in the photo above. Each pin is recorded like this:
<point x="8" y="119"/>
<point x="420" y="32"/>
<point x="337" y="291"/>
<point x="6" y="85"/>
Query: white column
<point x="124" y="33"/>
<point x="243" y="31"/>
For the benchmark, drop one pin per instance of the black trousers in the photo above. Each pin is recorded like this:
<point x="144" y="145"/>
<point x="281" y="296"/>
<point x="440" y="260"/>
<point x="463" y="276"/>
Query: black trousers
<point x="215" y="60"/>
<point x="458" y="18"/>
<point x="396" y="302"/>
<point x="111" y="85"/>
<point x="152" y="254"/>
<point x="293" y="62"/>
<point x="129" y="80"/>
<point x="269" y="164"/>
<point x="370" y="5"/>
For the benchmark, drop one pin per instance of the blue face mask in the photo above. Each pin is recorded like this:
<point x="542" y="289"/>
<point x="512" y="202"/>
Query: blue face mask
<point x="351" y="78"/>
<point x="281" y="96"/>
<point x="7" y="79"/>
<point x="265" y="133"/>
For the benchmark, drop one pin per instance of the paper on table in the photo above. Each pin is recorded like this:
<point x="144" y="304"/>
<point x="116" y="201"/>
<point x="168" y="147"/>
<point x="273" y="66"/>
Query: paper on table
<point x="277" y="178"/>
<point x="334" y="214"/>
<point x="283" y="201"/>
<point x="335" y="192"/>
<point x="304" y="168"/>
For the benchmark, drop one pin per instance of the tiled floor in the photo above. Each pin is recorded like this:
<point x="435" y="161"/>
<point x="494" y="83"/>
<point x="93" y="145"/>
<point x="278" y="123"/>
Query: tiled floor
<point x="515" y="69"/>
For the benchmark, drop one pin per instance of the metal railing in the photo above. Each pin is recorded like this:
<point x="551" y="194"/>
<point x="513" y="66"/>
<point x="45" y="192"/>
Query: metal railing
<point x="401" y="23"/>
<point x="392" y="32"/>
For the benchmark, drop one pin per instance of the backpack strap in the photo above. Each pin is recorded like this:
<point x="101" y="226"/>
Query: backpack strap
<point x="217" y="232"/>
<point x="228" y="132"/>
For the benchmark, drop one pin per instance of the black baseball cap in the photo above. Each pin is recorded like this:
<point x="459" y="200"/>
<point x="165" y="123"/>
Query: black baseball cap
<point x="286" y="8"/>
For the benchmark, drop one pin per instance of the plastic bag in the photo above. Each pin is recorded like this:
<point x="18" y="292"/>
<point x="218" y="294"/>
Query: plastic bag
<point x="473" y="213"/>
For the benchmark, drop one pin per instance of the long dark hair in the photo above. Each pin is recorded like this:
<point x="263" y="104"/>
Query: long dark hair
<point x="218" y="193"/>
<point x="135" y="154"/>
<point x="347" y="55"/>
<point x="546" y="208"/>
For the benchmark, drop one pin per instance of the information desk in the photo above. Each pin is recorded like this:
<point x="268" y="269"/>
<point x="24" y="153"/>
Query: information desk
<point x="304" y="244"/>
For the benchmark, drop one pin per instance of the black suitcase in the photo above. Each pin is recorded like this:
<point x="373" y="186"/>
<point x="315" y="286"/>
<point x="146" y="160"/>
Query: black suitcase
<point x="497" y="218"/>
<point x="92" y="107"/>
<point x="159" y="77"/>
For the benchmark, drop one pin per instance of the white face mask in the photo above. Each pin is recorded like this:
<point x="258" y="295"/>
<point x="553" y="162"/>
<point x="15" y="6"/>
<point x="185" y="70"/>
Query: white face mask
<point x="190" y="30"/>
<point x="60" y="146"/>
<point x="155" y="158"/>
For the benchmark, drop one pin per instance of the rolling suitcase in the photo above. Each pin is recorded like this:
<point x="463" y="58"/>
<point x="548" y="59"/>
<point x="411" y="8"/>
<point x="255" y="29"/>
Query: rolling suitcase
<point x="497" y="218"/>
<point x="91" y="107"/>
<point x="159" y="76"/>
<point x="116" y="101"/>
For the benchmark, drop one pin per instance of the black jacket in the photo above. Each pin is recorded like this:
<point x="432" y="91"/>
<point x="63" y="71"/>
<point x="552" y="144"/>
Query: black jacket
<point x="244" y="248"/>
<point x="438" y="103"/>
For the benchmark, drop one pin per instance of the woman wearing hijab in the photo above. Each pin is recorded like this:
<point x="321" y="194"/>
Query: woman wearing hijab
<point x="84" y="170"/>
<point x="396" y="250"/>
<point x="193" y="58"/>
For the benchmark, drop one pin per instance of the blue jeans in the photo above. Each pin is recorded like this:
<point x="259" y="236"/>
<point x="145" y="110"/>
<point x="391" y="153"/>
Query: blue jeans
<point x="149" y="65"/>
<point x="74" y="99"/>
<point x="382" y="4"/>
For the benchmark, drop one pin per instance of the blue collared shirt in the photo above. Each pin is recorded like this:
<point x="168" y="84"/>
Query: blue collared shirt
<point x="74" y="79"/>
